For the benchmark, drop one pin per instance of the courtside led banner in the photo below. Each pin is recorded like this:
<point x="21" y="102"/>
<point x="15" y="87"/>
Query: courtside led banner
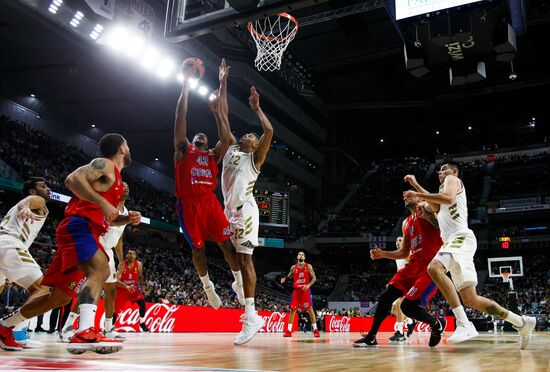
<point x="411" y="8"/>
<point x="353" y="324"/>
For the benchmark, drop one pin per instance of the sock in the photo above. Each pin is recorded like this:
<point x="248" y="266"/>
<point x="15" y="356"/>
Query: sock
<point x="142" y="320"/>
<point x="238" y="277"/>
<point x="314" y="325"/>
<point x="70" y="321"/>
<point x="515" y="319"/>
<point x="249" y="308"/>
<point x="24" y="325"/>
<point x="108" y="324"/>
<point x="13" y="319"/>
<point x="205" y="281"/>
<point x="289" y="327"/>
<point x="87" y="316"/>
<point x="400" y="327"/>
<point x="460" y="314"/>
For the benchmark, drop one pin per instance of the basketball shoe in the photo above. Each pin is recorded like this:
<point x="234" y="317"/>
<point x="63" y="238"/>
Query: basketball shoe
<point x="529" y="323"/>
<point x="22" y="337"/>
<point x="397" y="337"/>
<point x="65" y="335"/>
<point x="239" y="290"/>
<point x="251" y="325"/>
<point x="410" y="328"/>
<point x="366" y="341"/>
<point x="316" y="333"/>
<point x="92" y="340"/>
<point x="437" y="332"/>
<point x="287" y="333"/>
<point x="463" y="332"/>
<point x="7" y="342"/>
<point x="114" y="335"/>
<point x="213" y="298"/>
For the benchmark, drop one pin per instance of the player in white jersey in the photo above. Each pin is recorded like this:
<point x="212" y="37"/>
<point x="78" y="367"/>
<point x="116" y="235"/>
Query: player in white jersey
<point x="457" y="257"/>
<point x="241" y="166"/>
<point x="18" y="230"/>
<point x="112" y="242"/>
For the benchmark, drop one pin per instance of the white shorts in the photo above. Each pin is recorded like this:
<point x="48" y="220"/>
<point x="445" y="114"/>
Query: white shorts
<point x="457" y="255"/>
<point x="244" y="224"/>
<point x="112" y="269"/>
<point x="17" y="264"/>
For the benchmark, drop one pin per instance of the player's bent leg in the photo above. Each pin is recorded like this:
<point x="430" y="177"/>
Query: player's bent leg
<point x="414" y="310"/>
<point x="20" y="331"/>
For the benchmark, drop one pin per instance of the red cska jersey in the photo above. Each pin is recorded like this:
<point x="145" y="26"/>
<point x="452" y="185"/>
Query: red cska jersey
<point x="196" y="173"/>
<point x="424" y="237"/>
<point x="130" y="276"/>
<point x="301" y="276"/>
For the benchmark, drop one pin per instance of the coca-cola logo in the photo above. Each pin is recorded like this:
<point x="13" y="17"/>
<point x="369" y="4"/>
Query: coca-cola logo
<point x="158" y="318"/>
<point x="275" y="322"/>
<point x="419" y="327"/>
<point x="339" y="324"/>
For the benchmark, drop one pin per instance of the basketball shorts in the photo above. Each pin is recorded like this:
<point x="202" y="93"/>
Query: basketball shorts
<point x="301" y="300"/>
<point x="77" y="242"/>
<point x="414" y="281"/>
<point x="123" y="296"/>
<point x="244" y="223"/>
<point x="202" y="218"/>
<point x="17" y="263"/>
<point x="457" y="255"/>
<point x="401" y="264"/>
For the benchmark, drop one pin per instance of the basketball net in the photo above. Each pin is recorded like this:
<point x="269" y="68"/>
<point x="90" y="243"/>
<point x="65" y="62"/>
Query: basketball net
<point x="272" y="36"/>
<point x="506" y="279"/>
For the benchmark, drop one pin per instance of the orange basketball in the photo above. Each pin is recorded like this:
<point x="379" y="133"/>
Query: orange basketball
<point x="193" y="67"/>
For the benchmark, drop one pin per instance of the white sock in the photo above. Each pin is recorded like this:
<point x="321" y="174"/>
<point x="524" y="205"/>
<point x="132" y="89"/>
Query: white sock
<point x="108" y="324"/>
<point x="289" y="327"/>
<point x="400" y="327"/>
<point x="515" y="319"/>
<point x="70" y="321"/>
<point x="87" y="316"/>
<point x="460" y="314"/>
<point x="21" y="326"/>
<point x="238" y="277"/>
<point x="141" y="320"/>
<point x="249" y="308"/>
<point x="205" y="281"/>
<point x="314" y="326"/>
<point x="13" y="320"/>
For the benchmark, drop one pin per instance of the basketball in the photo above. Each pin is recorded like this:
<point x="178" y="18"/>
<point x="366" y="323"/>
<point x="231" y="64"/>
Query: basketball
<point x="193" y="67"/>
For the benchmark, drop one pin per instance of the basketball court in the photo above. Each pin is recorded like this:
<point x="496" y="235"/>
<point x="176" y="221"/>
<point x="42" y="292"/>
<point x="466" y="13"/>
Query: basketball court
<point x="302" y="352"/>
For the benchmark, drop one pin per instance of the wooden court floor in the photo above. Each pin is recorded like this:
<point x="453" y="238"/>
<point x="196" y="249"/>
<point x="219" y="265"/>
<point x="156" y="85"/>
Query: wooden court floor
<point x="302" y="352"/>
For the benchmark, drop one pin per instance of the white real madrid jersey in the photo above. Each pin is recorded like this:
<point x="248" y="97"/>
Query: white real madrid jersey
<point x="453" y="218"/>
<point x="23" y="231"/>
<point x="112" y="236"/>
<point x="239" y="175"/>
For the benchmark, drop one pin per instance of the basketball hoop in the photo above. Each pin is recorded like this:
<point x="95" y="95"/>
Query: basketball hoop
<point x="505" y="276"/>
<point x="272" y="36"/>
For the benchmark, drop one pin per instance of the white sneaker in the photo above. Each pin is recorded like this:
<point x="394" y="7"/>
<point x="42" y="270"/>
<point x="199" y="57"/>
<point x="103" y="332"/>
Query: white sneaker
<point x="66" y="335"/>
<point x="462" y="332"/>
<point x="239" y="290"/>
<point x="213" y="299"/>
<point x="251" y="326"/>
<point x="529" y="323"/>
<point x="114" y="335"/>
<point x="30" y="344"/>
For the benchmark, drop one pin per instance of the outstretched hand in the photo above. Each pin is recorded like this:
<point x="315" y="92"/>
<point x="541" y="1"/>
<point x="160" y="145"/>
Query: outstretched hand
<point x="26" y="214"/>
<point x="410" y="178"/>
<point x="223" y="71"/>
<point x="376" y="254"/>
<point x="214" y="104"/>
<point x="254" y="100"/>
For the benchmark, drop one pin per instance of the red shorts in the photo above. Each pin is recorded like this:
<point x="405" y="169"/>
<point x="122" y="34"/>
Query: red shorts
<point x="301" y="300"/>
<point x="123" y="296"/>
<point x="202" y="218"/>
<point x="77" y="242"/>
<point x="415" y="282"/>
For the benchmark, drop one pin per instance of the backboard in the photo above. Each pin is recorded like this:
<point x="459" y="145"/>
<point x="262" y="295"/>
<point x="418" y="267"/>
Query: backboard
<point x="498" y="265"/>
<point x="187" y="19"/>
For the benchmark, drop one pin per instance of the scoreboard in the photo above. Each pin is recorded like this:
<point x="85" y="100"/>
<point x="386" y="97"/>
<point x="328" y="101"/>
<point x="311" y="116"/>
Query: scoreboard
<point x="274" y="207"/>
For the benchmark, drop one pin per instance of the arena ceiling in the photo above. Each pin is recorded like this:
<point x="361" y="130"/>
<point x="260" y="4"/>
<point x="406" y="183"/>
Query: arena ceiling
<point x="355" y="65"/>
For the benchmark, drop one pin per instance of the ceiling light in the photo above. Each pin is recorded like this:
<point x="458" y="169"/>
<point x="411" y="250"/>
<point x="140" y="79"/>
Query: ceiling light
<point x="203" y="90"/>
<point x="32" y="95"/>
<point x="93" y="125"/>
<point x="117" y="38"/>
<point x="150" y="58"/>
<point x="156" y="159"/>
<point x="134" y="46"/>
<point x="193" y="83"/>
<point x="165" y="67"/>
<point x="180" y="77"/>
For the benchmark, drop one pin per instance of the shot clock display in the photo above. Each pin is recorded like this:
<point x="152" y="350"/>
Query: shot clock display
<point x="505" y="242"/>
<point x="274" y="207"/>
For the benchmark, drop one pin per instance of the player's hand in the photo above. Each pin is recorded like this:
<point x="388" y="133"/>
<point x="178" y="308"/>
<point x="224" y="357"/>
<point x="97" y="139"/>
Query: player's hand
<point x="26" y="214"/>
<point x="109" y="211"/>
<point x="410" y="178"/>
<point x="214" y="104"/>
<point x="223" y="71"/>
<point x="305" y="288"/>
<point x="376" y="253"/>
<point x="421" y="210"/>
<point x="410" y="195"/>
<point x="283" y="280"/>
<point x="254" y="100"/>
<point x="131" y="288"/>
<point x="135" y="217"/>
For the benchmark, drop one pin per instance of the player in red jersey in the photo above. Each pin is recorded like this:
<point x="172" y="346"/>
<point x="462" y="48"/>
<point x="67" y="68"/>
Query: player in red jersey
<point x="130" y="274"/>
<point x="199" y="211"/>
<point x="80" y="260"/>
<point x="421" y="241"/>
<point x="304" y="277"/>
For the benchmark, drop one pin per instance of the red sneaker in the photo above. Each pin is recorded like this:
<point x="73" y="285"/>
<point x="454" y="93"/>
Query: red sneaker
<point x="316" y="333"/>
<point x="7" y="342"/>
<point x="92" y="340"/>
<point x="287" y="333"/>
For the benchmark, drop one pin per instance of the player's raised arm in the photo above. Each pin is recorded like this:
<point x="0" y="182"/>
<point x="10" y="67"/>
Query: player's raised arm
<point x="80" y="183"/>
<point x="451" y="187"/>
<point x="265" y="141"/>
<point x="411" y="179"/>
<point x="180" y="126"/>
<point x="220" y="109"/>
